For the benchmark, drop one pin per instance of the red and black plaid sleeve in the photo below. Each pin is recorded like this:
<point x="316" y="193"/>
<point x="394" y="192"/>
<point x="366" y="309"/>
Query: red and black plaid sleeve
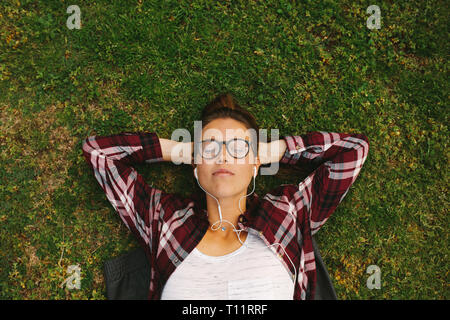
<point x="111" y="158"/>
<point x="341" y="156"/>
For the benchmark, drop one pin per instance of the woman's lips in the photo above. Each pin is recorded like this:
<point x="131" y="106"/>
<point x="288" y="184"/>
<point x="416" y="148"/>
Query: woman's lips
<point x="220" y="174"/>
<point x="223" y="172"/>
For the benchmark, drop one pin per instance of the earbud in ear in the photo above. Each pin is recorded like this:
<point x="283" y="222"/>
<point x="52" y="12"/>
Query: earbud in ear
<point x="195" y="173"/>
<point x="254" y="171"/>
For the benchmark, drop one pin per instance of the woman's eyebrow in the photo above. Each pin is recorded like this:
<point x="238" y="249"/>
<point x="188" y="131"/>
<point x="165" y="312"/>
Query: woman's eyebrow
<point x="212" y="138"/>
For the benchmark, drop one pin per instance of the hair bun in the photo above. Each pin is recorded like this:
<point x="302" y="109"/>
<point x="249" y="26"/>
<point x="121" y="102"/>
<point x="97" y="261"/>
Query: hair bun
<point x="222" y="102"/>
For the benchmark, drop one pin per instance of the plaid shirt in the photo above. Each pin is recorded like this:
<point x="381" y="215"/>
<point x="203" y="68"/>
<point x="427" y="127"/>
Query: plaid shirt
<point x="169" y="226"/>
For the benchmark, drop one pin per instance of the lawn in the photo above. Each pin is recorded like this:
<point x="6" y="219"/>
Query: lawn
<point x="298" y="66"/>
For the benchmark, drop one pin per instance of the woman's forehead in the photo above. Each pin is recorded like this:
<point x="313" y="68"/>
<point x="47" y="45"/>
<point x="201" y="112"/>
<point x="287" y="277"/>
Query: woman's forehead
<point x="224" y="129"/>
<point x="226" y="134"/>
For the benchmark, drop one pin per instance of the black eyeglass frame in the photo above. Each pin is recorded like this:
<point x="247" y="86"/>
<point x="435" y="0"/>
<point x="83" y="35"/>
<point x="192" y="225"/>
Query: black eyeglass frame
<point x="226" y="143"/>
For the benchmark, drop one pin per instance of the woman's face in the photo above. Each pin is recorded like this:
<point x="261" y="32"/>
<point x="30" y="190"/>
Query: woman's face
<point x="223" y="185"/>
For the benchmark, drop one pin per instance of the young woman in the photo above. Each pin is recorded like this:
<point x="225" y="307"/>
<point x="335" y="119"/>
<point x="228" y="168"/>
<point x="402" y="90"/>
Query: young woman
<point x="223" y="242"/>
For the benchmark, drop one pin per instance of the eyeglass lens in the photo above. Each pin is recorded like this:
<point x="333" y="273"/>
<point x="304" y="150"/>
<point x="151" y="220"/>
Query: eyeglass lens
<point x="237" y="148"/>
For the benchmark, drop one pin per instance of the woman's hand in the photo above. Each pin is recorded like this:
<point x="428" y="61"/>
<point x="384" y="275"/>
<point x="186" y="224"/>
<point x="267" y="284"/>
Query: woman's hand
<point x="177" y="152"/>
<point x="263" y="153"/>
<point x="272" y="151"/>
<point x="187" y="152"/>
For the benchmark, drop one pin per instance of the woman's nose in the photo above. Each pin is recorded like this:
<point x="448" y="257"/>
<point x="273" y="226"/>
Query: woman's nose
<point x="223" y="155"/>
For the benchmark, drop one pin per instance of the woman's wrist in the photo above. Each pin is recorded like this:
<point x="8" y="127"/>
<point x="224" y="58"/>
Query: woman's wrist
<point x="272" y="151"/>
<point x="279" y="148"/>
<point x="176" y="152"/>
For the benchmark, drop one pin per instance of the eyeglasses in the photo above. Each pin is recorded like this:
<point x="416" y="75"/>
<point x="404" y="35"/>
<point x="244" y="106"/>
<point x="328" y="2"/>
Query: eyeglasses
<point x="237" y="148"/>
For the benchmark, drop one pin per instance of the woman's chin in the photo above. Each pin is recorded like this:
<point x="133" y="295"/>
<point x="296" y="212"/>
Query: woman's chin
<point x="222" y="189"/>
<point x="222" y="192"/>
<point x="222" y="195"/>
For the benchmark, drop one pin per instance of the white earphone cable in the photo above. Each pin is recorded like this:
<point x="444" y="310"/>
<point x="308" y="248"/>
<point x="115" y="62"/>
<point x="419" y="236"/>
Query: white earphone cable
<point x="238" y="231"/>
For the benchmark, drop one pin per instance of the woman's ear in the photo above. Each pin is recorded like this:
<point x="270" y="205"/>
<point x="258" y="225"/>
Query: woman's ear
<point x="258" y="163"/>
<point x="256" y="166"/>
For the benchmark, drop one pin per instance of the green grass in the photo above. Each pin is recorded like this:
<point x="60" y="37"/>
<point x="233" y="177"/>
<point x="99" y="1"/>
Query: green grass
<point x="299" y="67"/>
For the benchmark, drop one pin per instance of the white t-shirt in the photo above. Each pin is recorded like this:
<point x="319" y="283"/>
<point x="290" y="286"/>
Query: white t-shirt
<point x="248" y="273"/>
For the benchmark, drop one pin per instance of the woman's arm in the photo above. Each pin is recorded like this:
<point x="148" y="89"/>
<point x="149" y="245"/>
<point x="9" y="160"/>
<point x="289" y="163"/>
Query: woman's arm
<point x="111" y="159"/>
<point x="341" y="156"/>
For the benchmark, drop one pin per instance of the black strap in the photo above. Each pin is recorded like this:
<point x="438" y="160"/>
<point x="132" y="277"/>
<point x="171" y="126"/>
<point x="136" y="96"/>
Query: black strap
<point x="127" y="277"/>
<point x="324" y="286"/>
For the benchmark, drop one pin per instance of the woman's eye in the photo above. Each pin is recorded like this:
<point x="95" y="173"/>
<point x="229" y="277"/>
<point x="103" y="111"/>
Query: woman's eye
<point x="238" y="147"/>
<point x="209" y="149"/>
